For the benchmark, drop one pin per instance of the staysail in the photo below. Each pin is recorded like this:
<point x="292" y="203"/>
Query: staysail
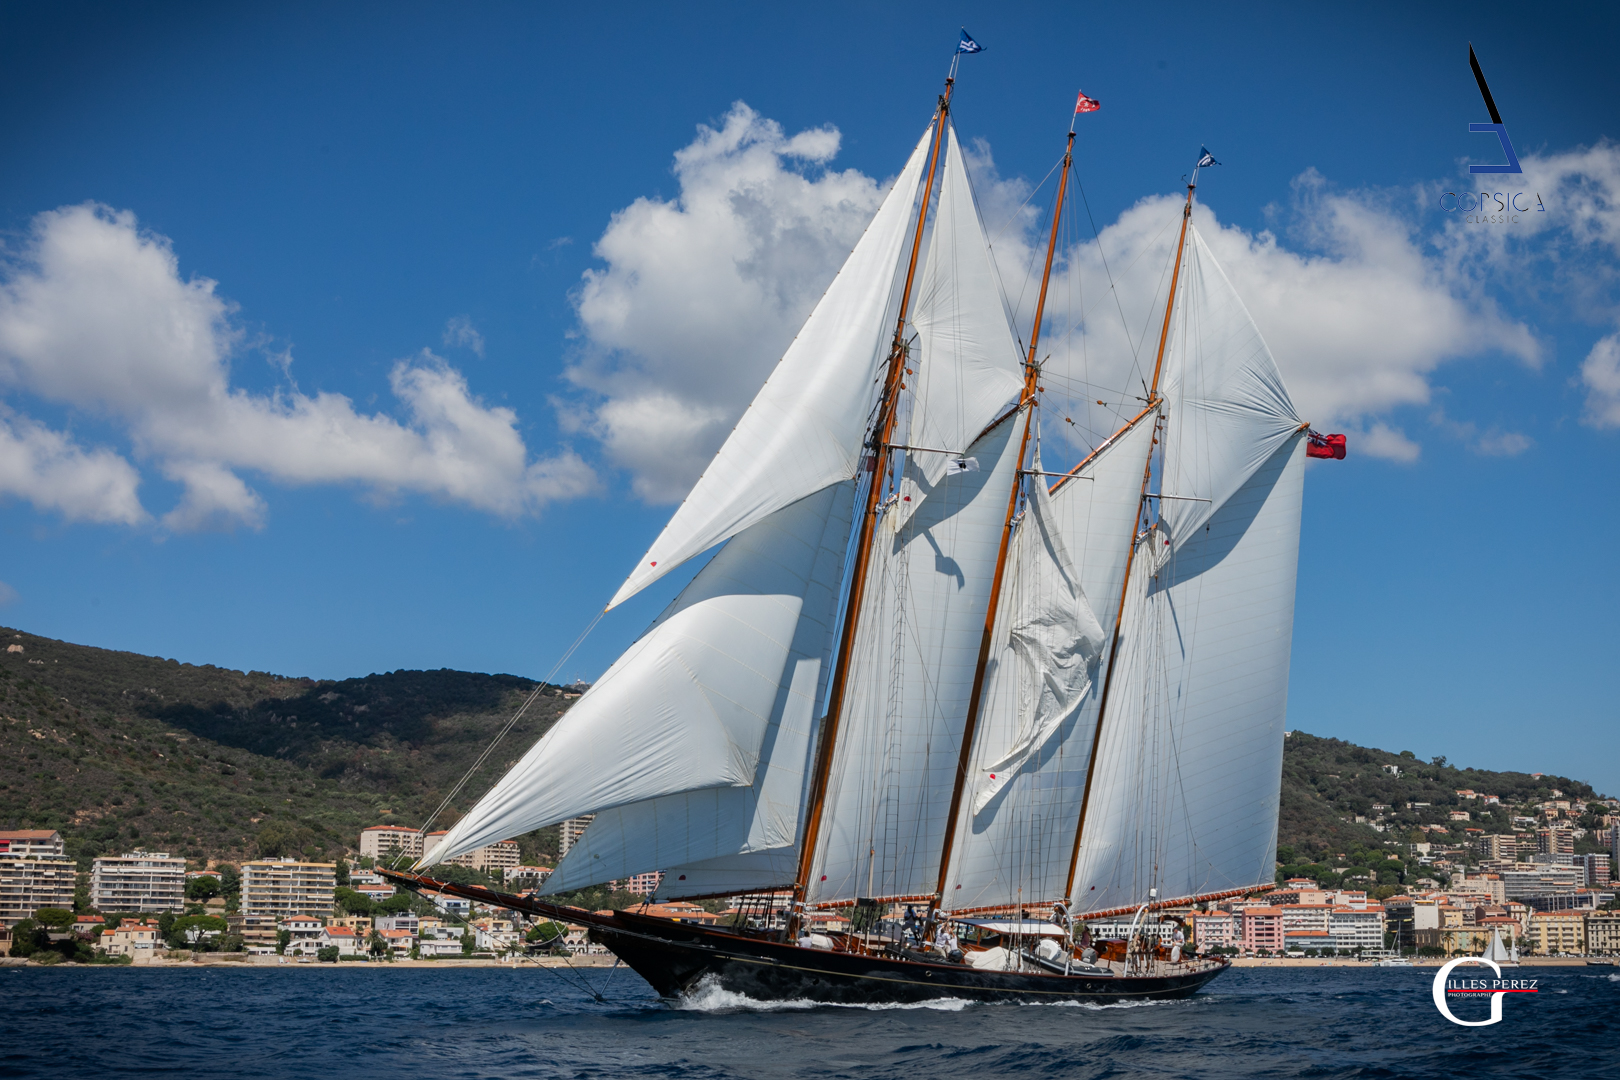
<point x="803" y="430"/>
<point x="1016" y="830"/>
<point x="735" y="665"/>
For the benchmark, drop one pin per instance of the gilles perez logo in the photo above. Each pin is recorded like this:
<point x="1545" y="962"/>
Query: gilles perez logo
<point x="1444" y="984"/>
<point x="1477" y="204"/>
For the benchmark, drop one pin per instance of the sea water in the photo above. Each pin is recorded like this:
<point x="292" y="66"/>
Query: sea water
<point x="359" y="1022"/>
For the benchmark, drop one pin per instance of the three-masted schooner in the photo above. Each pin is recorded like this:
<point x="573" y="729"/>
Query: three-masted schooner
<point x="925" y="669"/>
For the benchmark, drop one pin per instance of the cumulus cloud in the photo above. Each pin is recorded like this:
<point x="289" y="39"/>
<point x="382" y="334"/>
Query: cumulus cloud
<point x="1600" y="372"/>
<point x="94" y="315"/>
<point x="700" y="294"/>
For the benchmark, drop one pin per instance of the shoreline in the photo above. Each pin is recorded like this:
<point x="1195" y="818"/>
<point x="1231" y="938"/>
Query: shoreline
<point x="599" y="960"/>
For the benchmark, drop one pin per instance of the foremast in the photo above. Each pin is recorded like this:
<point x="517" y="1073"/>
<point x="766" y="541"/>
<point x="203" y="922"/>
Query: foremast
<point x="876" y="462"/>
<point x="1026" y="404"/>
<point x="1154" y="402"/>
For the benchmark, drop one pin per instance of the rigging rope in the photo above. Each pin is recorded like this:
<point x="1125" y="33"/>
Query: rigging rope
<point x="510" y="724"/>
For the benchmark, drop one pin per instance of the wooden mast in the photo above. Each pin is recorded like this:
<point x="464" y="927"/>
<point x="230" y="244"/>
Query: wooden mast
<point x="1026" y="402"/>
<point x="1119" y="613"/>
<point x="882" y="433"/>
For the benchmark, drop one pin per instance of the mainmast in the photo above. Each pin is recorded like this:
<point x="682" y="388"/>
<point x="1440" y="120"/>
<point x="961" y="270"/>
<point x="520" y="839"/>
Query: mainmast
<point x="1136" y="536"/>
<point x="1026" y="402"/>
<point x="877" y="464"/>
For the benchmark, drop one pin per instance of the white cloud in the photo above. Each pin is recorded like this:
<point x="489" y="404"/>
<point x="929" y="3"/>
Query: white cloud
<point x="460" y="332"/>
<point x="701" y="294"/>
<point x="1491" y="442"/>
<point x="1601" y="374"/>
<point x="8" y="595"/>
<point x="47" y="469"/>
<point x="94" y="315"/>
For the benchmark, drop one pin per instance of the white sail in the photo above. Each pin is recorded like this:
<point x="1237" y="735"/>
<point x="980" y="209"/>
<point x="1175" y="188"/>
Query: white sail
<point x="1185" y="792"/>
<point x="911" y="671"/>
<point x="1227" y="406"/>
<point x="968" y="367"/>
<point x="804" y="429"/>
<point x="1016" y="831"/>
<point x="736" y="663"/>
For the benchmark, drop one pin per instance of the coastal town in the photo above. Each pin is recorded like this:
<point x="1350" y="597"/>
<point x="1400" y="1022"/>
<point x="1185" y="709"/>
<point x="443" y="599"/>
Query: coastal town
<point x="1419" y="898"/>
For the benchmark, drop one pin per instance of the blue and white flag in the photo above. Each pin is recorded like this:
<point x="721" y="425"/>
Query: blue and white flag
<point x="1205" y="157"/>
<point x="967" y="44"/>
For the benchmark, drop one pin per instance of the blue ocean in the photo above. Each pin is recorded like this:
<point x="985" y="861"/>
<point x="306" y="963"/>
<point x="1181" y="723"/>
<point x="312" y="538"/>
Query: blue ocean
<point x="353" y="1023"/>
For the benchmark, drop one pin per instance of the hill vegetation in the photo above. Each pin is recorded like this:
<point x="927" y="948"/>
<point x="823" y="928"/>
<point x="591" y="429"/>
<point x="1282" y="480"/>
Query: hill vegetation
<point x="119" y="751"/>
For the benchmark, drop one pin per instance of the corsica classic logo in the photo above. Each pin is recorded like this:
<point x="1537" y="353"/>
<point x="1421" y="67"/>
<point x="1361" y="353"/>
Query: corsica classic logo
<point x="1491" y="207"/>
<point x="1497" y="988"/>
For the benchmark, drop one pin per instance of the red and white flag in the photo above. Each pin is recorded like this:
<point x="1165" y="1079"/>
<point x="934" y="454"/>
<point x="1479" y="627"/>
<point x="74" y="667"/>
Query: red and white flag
<point x="1085" y="104"/>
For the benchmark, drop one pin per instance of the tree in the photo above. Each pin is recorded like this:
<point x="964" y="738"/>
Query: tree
<point x="54" y="917"/>
<point x="327" y="954"/>
<point x="27" y="938"/>
<point x="283" y="939"/>
<point x="342" y="871"/>
<point x="468" y="943"/>
<point x="376" y="944"/>
<point x="203" y="888"/>
<point x="230" y="885"/>
<point x="355" y="903"/>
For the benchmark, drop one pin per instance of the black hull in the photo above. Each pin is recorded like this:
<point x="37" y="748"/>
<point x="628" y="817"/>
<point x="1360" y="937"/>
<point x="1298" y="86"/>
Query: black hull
<point x="675" y="957"/>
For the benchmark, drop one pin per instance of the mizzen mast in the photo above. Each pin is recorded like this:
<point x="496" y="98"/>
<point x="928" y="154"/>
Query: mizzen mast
<point x="1026" y="402"/>
<point x="875" y="462"/>
<point x="1153" y="402"/>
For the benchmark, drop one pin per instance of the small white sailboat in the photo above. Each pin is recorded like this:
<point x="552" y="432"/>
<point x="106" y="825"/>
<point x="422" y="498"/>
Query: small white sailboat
<point x="1498" y="953"/>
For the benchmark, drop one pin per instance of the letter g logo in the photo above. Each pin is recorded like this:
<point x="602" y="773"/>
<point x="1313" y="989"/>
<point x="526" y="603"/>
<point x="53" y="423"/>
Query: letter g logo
<point x="1444" y="973"/>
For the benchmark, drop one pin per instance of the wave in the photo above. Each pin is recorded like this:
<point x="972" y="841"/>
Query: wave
<point x="708" y="996"/>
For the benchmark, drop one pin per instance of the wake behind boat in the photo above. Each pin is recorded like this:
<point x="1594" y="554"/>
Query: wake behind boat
<point x="925" y="669"/>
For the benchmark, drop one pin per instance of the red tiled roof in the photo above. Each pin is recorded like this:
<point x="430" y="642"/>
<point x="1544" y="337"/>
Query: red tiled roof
<point x="27" y="834"/>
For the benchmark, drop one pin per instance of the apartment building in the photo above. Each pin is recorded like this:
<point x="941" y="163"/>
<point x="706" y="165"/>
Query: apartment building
<point x="277" y="889"/>
<point x="1603" y="933"/>
<point x="28" y="884"/>
<point x="1599" y="871"/>
<point x="494" y="858"/>
<point x="1217" y="929"/>
<point x="527" y="877"/>
<point x="138" y="881"/>
<point x="389" y="842"/>
<point x="1558" y="932"/>
<point x="1555" y="841"/>
<point x="138" y="940"/>
<point x="643" y="884"/>
<point x="31" y="844"/>
<point x="570" y="831"/>
<point x="1497" y="848"/>
<point x="1262" y="929"/>
<point x="1356" y="928"/>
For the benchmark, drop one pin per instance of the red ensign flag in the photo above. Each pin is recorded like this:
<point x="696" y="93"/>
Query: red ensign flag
<point x="1085" y="104"/>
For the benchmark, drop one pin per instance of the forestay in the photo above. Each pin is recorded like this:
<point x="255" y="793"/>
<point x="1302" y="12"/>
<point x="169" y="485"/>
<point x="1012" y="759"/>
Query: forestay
<point x="968" y="367"/>
<point x="1186" y="787"/>
<point x="1227" y="406"/>
<point x="732" y="668"/>
<point x="804" y="429"/>
<point x="1016" y="832"/>
<point x="912" y="666"/>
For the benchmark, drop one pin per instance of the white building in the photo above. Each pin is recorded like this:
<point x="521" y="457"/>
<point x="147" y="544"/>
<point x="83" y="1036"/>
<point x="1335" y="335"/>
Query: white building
<point x="306" y="931"/>
<point x="138" y="940"/>
<point x="389" y="842"/>
<point x="527" y="877"/>
<point x="31" y="844"/>
<point x="1356" y="928"/>
<point x="37" y="881"/>
<point x="138" y="881"/>
<point x="347" y="940"/>
<point x="570" y="831"/>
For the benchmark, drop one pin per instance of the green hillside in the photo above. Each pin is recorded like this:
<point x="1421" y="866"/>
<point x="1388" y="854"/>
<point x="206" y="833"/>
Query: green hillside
<point x="119" y="750"/>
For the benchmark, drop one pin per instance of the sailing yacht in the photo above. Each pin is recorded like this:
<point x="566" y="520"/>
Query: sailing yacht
<point x="930" y="666"/>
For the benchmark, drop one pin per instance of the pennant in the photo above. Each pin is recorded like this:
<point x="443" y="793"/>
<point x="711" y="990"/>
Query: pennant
<point x="1205" y="158"/>
<point x="1085" y="104"/>
<point x="967" y="44"/>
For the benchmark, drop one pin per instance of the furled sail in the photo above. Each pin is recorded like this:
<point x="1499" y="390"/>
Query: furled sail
<point x="1228" y="408"/>
<point x="1043" y="683"/>
<point x="1189" y="767"/>
<point x="911" y="671"/>
<point x="804" y="429"/>
<point x="733" y="666"/>
<point x="969" y="369"/>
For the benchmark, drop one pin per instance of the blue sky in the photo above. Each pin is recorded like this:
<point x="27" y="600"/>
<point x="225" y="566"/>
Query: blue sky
<point x="333" y="242"/>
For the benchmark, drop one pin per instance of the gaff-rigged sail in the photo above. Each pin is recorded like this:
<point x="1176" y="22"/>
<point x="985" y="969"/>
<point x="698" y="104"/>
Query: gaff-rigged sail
<point x="967" y="360"/>
<point x="803" y="430"/>
<point x="738" y="659"/>
<point x="1028" y="770"/>
<point x="724" y="823"/>
<point x="911" y="672"/>
<point x="1185" y="791"/>
<point x="1227" y="406"/>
